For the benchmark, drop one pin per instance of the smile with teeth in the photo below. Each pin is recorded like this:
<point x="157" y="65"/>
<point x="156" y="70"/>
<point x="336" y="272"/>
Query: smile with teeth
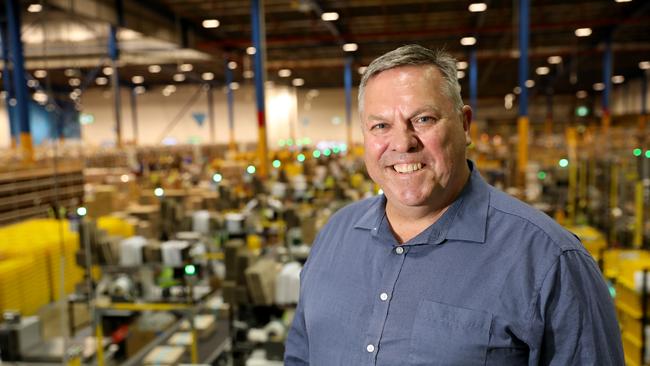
<point x="407" y="168"/>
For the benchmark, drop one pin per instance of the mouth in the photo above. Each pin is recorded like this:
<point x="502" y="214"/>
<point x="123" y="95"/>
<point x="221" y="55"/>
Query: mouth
<point x="408" y="168"/>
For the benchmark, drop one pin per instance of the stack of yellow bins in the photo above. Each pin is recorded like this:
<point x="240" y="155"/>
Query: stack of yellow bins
<point x="116" y="226"/>
<point x="30" y="261"/>
<point x="629" y="300"/>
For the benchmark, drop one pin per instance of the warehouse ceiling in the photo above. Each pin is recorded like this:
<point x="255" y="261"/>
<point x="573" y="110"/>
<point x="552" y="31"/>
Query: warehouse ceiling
<point x="74" y="34"/>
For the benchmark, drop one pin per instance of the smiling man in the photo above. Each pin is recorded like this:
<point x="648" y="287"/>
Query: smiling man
<point x="443" y="269"/>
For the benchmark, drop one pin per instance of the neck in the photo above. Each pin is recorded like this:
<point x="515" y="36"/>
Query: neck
<point x="408" y="222"/>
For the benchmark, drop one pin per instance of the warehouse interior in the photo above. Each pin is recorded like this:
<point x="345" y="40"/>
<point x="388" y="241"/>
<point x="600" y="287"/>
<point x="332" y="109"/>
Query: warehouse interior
<point x="165" y="165"/>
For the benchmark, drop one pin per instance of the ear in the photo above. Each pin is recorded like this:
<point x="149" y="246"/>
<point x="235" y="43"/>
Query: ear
<point x="467" y="121"/>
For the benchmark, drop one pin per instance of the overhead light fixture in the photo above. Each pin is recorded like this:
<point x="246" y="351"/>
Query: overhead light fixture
<point x="542" y="70"/>
<point x="350" y="47"/>
<point x="74" y="82"/>
<point x="284" y="73"/>
<point x="232" y="65"/>
<point x="40" y="74"/>
<point x="362" y="69"/>
<point x="35" y="8"/>
<point x="516" y="90"/>
<point x="508" y="101"/>
<point x="107" y="70"/>
<point x="179" y="77"/>
<point x="234" y="85"/>
<point x="623" y="1"/>
<point x="460" y="74"/>
<point x="581" y="94"/>
<point x="468" y="41"/>
<point x="139" y="89"/>
<point x="251" y="50"/>
<point x="207" y="76"/>
<point x="644" y="65"/>
<point x="40" y="97"/>
<point x="32" y="83"/>
<point x="101" y="81"/>
<point x="530" y="83"/>
<point x="461" y="65"/>
<point x="298" y="82"/>
<point x="583" y="32"/>
<point x="599" y="86"/>
<point x="477" y="7"/>
<point x="186" y="67"/>
<point x="168" y="90"/>
<point x="137" y="79"/>
<point x="70" y="72"/>
<point x="554" y="60"/>
<point x="210" y="23"/>
<point x="618" y="79"/>
<point x="248" y="74"/>
<point x="154" y="69"/>
<point x="330" y="16"/>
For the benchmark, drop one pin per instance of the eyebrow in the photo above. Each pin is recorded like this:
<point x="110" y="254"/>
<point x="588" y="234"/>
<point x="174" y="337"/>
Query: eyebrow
<point x="426" y="108"/>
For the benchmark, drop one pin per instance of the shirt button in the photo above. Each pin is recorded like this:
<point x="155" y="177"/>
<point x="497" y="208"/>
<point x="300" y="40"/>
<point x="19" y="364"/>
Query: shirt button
<point x="370" y="348"/>
<point x="399" y="250"/>
<point x="383" y="296"/>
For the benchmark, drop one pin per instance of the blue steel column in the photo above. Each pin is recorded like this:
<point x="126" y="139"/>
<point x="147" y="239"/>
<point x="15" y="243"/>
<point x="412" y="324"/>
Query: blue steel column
<point x="114" y="55"/>
<point x="607" y="80"/>
<point x="347" y="79"/>
<point x="134" y="115"/>
<point x="20" y="84"/>
<point x="6" y="81"/>
<point x="473" y="82"/>
<point x="257" y="20"/>
<point x="229" y="96"/>
<point x="210" y="95"/>
<point x="522" y="122"/>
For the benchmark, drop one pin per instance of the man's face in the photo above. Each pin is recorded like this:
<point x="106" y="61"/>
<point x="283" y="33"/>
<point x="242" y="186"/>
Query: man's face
<point x="414" y="138"/>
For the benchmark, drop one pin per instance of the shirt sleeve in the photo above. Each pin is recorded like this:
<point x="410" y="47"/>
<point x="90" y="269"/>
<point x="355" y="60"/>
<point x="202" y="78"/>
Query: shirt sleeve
<point x="297" y="344"/>
<point x="576" y="315"/>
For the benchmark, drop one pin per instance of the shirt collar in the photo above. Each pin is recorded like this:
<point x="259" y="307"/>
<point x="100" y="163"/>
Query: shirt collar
<point x="466" y="218"/>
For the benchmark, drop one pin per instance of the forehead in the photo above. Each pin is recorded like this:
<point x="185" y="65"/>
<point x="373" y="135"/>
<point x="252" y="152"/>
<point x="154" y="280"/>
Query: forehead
<point x="406" y="85"/>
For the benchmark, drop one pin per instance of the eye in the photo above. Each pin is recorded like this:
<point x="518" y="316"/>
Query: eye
<point x="378" y="126"/>
<point x="425" y="119"/>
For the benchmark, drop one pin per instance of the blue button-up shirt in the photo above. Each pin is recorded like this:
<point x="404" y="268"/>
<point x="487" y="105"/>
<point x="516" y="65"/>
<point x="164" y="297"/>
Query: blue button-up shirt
<point x="492" y="282"/>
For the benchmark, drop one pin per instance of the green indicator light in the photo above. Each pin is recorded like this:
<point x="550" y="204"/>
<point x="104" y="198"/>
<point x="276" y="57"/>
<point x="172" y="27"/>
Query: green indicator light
<point x="582" y="111"/>
<point x="217" y="177"/>
<point x="637" y="152"/>
<point x="301" y="157"/>
<point x="276" y="163"/>
<point x="316" y="154"/>
<point x="647" y="154"/>
<point x="306" y="141"/>
<point x="344" y="147"/>
<point x="289" y="142"/>
<point x="281" y="143"/>
<point x="327" y="152"/>
<point x="541" y="175"/>
<point x="190" y="270"/>
<point x="81" y="211"/>
<point x="251" y="169"/>
<point x="563" y="163"/>
<point x="158" y="192"/>
<point x="336" y="150"/>
<point x="612" y="291"/>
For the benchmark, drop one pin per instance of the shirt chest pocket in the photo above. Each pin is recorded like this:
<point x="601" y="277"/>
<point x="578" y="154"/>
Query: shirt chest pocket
<point x="448" y="335"/>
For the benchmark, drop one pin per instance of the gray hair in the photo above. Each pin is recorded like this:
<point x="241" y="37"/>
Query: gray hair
<point x="414" y="54"/>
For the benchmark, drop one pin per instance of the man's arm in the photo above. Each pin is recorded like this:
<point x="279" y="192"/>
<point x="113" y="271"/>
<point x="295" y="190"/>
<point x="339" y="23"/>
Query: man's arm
<point x="577" y="316"/>
<point x="297" y="344"/>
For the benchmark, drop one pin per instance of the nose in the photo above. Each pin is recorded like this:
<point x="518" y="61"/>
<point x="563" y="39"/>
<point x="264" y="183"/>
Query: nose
<point x="404" y="139"/>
